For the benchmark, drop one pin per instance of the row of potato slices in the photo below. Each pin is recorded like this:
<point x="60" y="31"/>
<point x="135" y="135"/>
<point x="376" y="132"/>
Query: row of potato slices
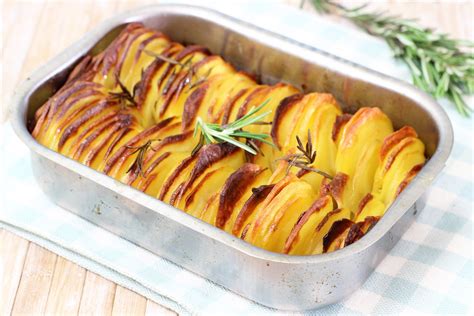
<point x="278" y="212"/>
<point x="258" y="202"/>
<point x="289" y="213"/>
<point x="206" y="87"/>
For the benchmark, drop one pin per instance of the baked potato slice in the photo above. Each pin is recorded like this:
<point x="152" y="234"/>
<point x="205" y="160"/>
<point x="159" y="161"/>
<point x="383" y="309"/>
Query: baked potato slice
<point x="357" y="155"/>
<point x="278" y="213"/>
<point x="401" y="158"/>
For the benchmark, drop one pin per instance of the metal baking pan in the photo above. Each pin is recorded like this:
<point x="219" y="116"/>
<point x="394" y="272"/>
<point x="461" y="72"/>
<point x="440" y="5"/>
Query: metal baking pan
<point x="275" y="280"/>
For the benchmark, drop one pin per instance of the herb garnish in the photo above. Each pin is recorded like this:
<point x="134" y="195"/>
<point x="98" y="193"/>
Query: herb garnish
<point x="201" y="80"/>
<point x="164" y="58"/>
<point x="125" y="96"/>
<point x="440" y="65"/>
<point x="304" y="158"/>
<point x="137" y="165"/>
<point x="186" y="65"/>
<point x="210" y="133"/>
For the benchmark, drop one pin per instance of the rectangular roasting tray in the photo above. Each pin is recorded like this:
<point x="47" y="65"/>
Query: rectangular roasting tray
<point x="275" y="280"/>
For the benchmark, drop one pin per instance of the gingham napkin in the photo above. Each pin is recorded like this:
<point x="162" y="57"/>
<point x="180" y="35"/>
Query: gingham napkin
<point x="429" y="270"/>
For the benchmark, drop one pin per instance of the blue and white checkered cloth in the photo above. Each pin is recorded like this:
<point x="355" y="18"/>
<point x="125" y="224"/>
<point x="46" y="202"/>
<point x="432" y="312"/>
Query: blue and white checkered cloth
<point x="429" y="271"/>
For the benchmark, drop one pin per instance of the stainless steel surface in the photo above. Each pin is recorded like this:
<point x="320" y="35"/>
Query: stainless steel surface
<point x="271" y="279"/>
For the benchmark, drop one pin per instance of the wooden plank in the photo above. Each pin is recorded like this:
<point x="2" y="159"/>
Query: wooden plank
<point x="153" y="309"/>
<point x="16" y="48"/>
<point x="97" y="296"/>
<point x="35" y="282"/>
<point x="127" y="302"/>
<point x="66" y="288"/>
<point x="13" y="251"/>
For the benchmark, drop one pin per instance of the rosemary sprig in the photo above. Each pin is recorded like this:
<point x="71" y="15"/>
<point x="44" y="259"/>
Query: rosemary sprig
<point x="186" y="65"/>
<point x="124" y="96"/>
<point x="164" y="58"/>
<point x="440" y="65"/>
<point x="210" y="133"/>
<point x="304" y="158"/>
<point x="201" y="79"/>
<point x="137" y="165"/>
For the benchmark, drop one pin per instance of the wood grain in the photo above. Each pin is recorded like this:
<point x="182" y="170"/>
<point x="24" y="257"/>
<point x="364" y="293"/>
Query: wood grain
<point x="13" y="251"/>
<point x="16" y="48"/>
<point x="33" y="291"/>
<point x="127" y="302"/>
<point x="66" y="288"/>
<point x="34" y="280"/>
<point x="154" y="309"/>
<point x="97" y="296"/>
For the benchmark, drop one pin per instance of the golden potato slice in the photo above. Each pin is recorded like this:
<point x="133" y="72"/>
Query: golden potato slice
<point x="194" y="201"/>
<point x="357" y="155"/>
<point x="278" y="213"/>
<point x="401" y="157"/>
<point x="210" y="157"/>
<point x="301" y="239"/>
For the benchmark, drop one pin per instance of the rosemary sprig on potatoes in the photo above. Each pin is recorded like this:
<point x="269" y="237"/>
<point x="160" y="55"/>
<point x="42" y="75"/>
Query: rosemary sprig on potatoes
<point x="125" y="97"/>
<point x="137" y="165"/>
<point x="210" y="133"/>
<point x="186" y="65"/>
<point x="164" y="58"/>
<point x="304" y="158"/>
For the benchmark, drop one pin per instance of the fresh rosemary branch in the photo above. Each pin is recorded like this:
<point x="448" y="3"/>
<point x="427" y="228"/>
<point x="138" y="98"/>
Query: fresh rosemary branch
<point x="304" y="158"/>
<point x="210" y="133"/>
<point x="439" y="65"/>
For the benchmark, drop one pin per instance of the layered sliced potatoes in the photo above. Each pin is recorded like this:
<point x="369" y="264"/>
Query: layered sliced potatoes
<point x="130" y="112"/>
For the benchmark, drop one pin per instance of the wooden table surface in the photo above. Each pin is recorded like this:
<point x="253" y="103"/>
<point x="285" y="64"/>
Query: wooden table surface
<point x="37" y="281"/>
